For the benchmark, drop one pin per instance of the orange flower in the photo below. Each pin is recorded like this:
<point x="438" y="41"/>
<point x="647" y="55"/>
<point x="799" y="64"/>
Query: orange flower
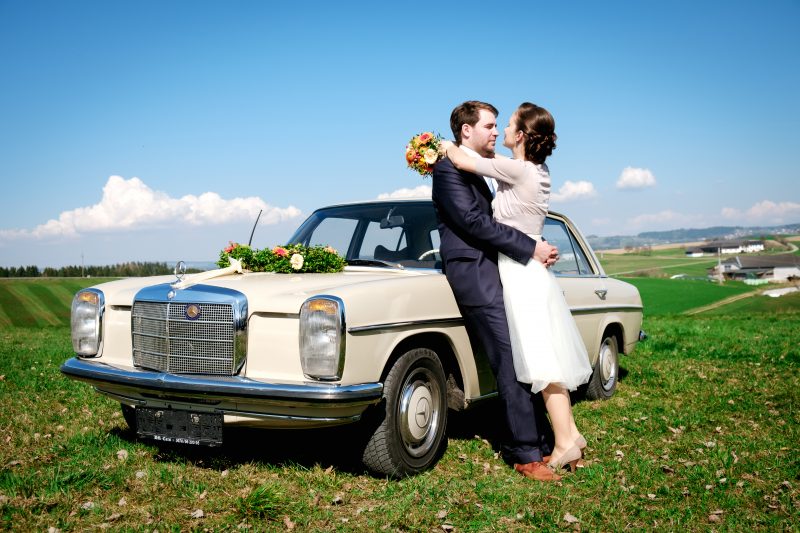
<point x="230" y="247"/>
<point x="280" y="252"/>
<point x="425" y="137"/>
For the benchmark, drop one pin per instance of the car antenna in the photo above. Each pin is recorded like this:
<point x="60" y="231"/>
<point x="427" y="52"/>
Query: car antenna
<point x="254" y="227"/>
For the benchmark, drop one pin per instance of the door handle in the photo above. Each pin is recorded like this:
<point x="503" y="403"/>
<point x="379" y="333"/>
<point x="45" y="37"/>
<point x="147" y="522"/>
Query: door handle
<point x="601" y="293"/>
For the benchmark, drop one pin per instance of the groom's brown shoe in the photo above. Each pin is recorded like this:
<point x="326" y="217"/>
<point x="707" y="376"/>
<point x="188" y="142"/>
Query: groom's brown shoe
<point x="537" y="470"/>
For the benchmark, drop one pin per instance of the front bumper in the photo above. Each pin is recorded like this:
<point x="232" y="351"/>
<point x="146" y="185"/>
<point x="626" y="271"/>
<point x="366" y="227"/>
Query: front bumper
<point x="240" y="399"/>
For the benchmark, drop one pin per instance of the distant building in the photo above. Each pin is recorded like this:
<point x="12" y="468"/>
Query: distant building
<point x="726" y="247"/>
<point x="769" y="267"/>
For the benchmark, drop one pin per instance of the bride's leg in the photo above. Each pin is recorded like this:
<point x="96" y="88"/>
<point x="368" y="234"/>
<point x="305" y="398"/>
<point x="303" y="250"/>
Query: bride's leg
<point x="557" y="401"/>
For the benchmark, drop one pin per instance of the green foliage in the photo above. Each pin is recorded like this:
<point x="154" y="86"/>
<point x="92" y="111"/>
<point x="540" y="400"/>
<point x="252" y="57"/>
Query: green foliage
<point x="120" y="270"/>
<point x="288" y="259"/>
<point x="265" y="502"/>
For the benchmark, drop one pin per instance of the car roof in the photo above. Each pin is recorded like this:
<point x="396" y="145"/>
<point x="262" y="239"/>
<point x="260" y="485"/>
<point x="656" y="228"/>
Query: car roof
<point x="399" y="200"/>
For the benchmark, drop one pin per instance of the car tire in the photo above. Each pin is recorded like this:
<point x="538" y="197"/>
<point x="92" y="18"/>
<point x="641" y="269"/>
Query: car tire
<point x="129" y="414"/>
<point x="604" y="378"/>
<point x="408" y="432"/>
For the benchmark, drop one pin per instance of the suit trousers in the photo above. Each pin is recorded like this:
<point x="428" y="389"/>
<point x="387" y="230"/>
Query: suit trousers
<point x="528" y="432"/>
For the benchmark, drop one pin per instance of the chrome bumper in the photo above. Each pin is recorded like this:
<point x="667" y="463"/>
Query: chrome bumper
<point x="306" y="404"/>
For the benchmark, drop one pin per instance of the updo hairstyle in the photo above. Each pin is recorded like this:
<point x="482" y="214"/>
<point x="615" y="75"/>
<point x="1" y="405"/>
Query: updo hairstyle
<point x="538" y="126"/>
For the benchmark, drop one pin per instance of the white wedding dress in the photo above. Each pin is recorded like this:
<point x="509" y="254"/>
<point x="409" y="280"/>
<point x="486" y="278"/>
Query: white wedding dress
<point x="545" y="341"/>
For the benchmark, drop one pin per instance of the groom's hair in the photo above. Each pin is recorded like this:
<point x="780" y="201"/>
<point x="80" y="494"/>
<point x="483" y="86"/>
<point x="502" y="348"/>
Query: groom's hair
<point x="468" y="113"/>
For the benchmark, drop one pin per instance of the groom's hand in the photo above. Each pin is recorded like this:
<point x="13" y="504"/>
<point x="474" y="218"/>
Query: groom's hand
<point x="545" y="253"/>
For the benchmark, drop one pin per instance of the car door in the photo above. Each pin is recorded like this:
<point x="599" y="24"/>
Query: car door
<point x="581" y="279"/>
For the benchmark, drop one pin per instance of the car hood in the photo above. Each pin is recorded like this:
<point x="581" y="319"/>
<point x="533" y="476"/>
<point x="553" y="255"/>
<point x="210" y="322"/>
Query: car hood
<point x="280" y="293"/>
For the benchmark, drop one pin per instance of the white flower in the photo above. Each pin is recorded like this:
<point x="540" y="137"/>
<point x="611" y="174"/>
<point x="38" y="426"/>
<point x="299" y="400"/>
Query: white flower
<point x="296" y="261"/>
<point x="431" y="156"/>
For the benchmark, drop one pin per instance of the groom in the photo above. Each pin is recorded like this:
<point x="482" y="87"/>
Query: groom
<point x="470" y="241"/>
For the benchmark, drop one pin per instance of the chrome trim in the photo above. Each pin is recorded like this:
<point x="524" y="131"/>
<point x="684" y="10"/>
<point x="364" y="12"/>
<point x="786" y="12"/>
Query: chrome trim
<point x="342" y="336"/>
<point x="208" y="294"/>
<point x="222" y="388"/>
<point x="101" y="311"/>
<point x="606" y="309"/>
<point x="395" y="325"/>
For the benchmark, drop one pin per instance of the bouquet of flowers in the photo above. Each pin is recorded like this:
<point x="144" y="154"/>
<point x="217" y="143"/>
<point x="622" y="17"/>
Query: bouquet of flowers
<point x="288" y="259"/>
<point x="422" y="151"/>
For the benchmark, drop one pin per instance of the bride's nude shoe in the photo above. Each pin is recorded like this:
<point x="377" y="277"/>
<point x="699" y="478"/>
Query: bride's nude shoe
<point x="568" y="459"/>
<point x="580" y="442"/>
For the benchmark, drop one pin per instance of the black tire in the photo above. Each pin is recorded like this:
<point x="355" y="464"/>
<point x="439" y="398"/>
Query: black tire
<point x="400" y="444"/>
<point x="129" y="414"/>
<point x="604" y="379"/>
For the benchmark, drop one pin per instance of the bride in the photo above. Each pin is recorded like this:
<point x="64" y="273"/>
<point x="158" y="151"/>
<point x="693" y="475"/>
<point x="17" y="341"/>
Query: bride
<point x="547" y="347"/>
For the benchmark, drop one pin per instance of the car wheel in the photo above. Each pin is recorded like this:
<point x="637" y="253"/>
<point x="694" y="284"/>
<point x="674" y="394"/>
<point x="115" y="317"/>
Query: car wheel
<point x="603" y="382"/>
<point x="129" y="414"/>
<point x="409" y="436"/>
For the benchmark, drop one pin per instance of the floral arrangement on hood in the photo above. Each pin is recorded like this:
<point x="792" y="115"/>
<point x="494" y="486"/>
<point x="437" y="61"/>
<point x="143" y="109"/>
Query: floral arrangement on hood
<point x="286" y="259"/>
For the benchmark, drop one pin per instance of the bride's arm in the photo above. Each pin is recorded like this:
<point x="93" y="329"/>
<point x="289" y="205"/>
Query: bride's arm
<point x="459" y="157"/>
<point x="500" y="167"/>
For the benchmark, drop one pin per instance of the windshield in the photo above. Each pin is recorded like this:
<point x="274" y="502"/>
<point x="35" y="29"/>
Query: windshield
<point x="402" y="233"/>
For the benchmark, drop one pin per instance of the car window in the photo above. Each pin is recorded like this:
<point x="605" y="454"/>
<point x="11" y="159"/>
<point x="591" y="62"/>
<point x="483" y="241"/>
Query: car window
<point x="333" y="231"/>
<point x="379" y="241"/>
<point x="398" y="233"/>
<point x="572" y="261"/>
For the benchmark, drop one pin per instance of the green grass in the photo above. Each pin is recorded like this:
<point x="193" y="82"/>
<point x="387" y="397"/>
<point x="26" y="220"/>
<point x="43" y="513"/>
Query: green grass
<point x="39" y="302"/>
<point x="672" y="296"/>
<point x="787" y="304"/>
<point x="704" y="424"/>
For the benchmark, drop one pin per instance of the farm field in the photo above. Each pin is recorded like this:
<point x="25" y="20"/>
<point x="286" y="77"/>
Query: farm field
<point x="662" y="296"/>
<point x="702" y="434"/>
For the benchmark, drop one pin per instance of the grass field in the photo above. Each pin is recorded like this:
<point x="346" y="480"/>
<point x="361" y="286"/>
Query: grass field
<point x="702" y="434"/>
<point x="37" y="302"/>
<point x="672" y="296"/>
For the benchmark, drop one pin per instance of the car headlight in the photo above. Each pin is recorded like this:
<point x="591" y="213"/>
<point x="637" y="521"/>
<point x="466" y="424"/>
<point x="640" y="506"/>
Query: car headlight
<point x="322" y="337"/>
<point x="87" y="322"/>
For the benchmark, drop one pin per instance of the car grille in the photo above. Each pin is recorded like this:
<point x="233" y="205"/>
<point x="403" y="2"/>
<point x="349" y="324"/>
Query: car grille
<point x="165" y="339"/>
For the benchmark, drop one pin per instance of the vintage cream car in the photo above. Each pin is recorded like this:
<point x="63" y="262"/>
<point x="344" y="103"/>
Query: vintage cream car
<point x="381" y="343"/>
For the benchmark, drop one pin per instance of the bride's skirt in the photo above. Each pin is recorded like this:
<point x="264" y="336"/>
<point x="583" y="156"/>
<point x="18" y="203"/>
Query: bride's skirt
<point x="545" y="341"/>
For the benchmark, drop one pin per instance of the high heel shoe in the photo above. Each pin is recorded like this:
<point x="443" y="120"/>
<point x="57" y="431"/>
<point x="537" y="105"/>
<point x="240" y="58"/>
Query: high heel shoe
<point x="580" y="442"/>
<point x="569" y="459"/>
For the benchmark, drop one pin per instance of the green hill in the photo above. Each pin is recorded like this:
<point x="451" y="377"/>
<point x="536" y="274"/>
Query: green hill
<point x="39" y="302"/>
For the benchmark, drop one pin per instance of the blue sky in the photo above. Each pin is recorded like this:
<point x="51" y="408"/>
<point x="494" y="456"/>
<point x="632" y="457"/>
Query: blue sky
<point x="156" y="130"/>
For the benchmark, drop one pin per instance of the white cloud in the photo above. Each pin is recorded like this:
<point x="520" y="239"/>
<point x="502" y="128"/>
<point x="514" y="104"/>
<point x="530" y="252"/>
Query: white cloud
<point x="574" y="190"/>
<point x="422" y="191"/>
<point x="765" y="211"/>
<point x="663" y="217"/>
<point x="130" y="205"/>
<point x="636" y="178"/>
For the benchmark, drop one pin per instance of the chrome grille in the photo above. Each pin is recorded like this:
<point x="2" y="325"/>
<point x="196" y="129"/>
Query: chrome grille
<point x="164" y="339"/>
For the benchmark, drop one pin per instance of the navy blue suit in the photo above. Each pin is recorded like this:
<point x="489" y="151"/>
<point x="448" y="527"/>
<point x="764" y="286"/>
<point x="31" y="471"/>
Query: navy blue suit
<point x="470" y="241"/>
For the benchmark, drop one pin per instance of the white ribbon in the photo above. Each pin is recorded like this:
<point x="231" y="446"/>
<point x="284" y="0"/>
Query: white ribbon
<point x="194" y="279"/>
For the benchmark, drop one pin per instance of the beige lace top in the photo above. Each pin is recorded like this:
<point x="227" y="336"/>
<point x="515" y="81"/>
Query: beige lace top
<point x="523" y="192"/>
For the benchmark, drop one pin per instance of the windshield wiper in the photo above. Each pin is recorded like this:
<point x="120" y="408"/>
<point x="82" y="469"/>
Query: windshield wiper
<point x="374" y="262"/>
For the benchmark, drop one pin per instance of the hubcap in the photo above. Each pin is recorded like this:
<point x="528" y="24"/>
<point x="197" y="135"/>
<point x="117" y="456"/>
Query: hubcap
<point x="419" y="411"/>
<point x="608" y="365"/>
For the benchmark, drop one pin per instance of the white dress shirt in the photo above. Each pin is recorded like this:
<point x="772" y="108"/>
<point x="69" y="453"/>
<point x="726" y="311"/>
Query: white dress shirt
<point x="489" y="181"/>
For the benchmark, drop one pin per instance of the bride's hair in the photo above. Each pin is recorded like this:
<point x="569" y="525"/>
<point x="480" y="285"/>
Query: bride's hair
<point x="539" y="128"/>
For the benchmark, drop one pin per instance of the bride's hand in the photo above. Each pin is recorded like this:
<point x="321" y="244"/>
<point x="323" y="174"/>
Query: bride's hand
<point x="446" y="145"/>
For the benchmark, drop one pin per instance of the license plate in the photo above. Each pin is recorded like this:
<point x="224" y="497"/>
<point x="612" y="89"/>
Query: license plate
<point x="182" y="427"/>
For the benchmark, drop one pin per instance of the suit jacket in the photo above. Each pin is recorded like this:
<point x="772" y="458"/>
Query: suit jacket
<point x="470" y="237"/>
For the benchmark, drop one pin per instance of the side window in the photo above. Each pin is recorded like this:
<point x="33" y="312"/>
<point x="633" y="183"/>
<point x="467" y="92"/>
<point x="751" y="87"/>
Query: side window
<point x="572" y="261"/>
<point x="387" y="244"/>
<point x="336" y="232"/>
